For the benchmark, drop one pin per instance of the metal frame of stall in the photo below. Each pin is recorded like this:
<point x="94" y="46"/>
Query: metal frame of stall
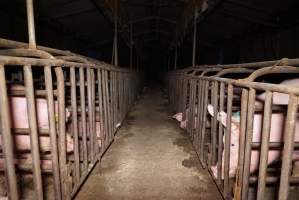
<point x="195" y="87"/>
<point x="91" y="90"/>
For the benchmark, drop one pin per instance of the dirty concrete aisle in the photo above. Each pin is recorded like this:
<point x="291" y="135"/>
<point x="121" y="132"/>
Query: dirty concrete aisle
<point x="151" y="158"/>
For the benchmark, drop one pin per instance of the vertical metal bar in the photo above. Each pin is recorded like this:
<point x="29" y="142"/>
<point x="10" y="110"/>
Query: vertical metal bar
<point x="101" y="109"/>
<point x="131" y="46"/>
<point x="7" y="140"/>
<point x="115" y="99"/>
<point x="199" y="95"/>
<point x="53" y="134"/>
<point x="214" y="102"/>
<point x="264" y="146"/>
<point x="243" y="118"/>
<point x="194" y="37"/>
<point x="227" y="143"/>
<point x="93" y="101"/>
<point x="109" y="103"/>
<point x="34" y="139"/>
<point x="75" y="124"/>
<point x="249" y="135"/>
<point x="116" y="33"/>
<point x="204" y="116"/>
<point x="288" y="147"/>
<point x="83" y="118"/>
<point x="105" y="95"/>
<point x="112" y="101"/>
<point x="31" y="28"/>
<point x="90" y="120"/>
<point x="176" y="57"/>
<point x="65" y="183"/>
<point x="220" y="135"/>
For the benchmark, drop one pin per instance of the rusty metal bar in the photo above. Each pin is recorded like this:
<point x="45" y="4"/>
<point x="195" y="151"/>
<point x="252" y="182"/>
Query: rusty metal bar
<point x="52" y="131"/>
<point x="220" y="135"/>
<point x="90" y="118"/>
<point x="288" y="147"/>
<point x="7" y="140"/>
<point x="230" y="91"/>
<point x="75" y="123"/>
<point x="83" y="117"/>
<point x="101" y="106"/>
<point x="31" y="28"/>
<point x="264" y="146"/>
<point x="249" y="136"/>
<point x="214" y="101"/>
<point x="62" y="134"/>
<point x="34" y="139"/>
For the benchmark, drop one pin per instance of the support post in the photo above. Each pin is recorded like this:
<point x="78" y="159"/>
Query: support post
<point x="116" y="34"/>
<point x="31" y="27"/>
<point x="131" y="46"/>
<point x="194" y="37"/>
<point x="176" y="57"/>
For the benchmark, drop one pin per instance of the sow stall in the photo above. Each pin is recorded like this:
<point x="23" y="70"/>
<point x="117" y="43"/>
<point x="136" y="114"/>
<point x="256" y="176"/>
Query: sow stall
<point x="234" y="116"/>
<point x="59" y="112"/>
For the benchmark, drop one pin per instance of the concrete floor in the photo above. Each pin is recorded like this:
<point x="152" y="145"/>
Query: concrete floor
<point x="151" y="158"/>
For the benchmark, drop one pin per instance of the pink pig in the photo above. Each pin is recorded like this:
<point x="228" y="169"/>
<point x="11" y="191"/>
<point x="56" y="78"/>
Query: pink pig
<point x="19" y="119"/>
<point x="183" y="124"/>
<point x="276" y="133"/>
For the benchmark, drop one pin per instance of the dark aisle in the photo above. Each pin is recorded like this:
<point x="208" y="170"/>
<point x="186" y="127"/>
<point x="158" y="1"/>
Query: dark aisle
<point x="151" y="158"/>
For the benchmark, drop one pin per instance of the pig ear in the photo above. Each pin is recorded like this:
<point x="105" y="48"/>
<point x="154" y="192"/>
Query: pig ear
<point x="211" y="110"/>
<point x="222" y="117"/>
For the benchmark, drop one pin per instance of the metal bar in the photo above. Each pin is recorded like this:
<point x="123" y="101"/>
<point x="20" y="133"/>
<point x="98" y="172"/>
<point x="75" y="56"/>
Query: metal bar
<point x="220" y="135"/>
<point x="264" y="146"/>
<point x="62" y="134"/>
<point x="227" y="143"/>
<point x="90" y="120"/>
<point x="101" y="108"/>
<point x="34" y="139"/>
<point x="194" y="37"/>
<point x="214" y="123"/>
<point x="75" y="124"/>
<point x="249" y="135"/>
<point x="31" y="28"/>
<point x="52" y="131"/>
<point x="7" y="140"/>
<point x="93" y="128"/>
<point x="83" y="118"/>
<point x="288" y="147"/>
<point x="243" y="114"/>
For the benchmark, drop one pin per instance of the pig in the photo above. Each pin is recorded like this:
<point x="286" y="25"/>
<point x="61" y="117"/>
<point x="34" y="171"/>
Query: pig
<point x="183" y="124"/>
<point x="179" y="118"/>
<point x="276" y="132"/>
<point x="20" y="121"/>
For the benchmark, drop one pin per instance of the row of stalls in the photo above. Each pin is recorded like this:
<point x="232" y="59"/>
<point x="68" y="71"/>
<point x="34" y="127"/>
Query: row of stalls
<point x="59" y="113"/>
<point x="243" y="122"/>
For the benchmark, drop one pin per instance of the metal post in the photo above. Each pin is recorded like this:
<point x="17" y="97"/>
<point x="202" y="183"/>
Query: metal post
<point x="168" y="62"/>
<point x="176" y="57"/>
<point x="131" y="46"/>
<point x="31" y="28"/>
<point x="194" y="37"/>
<point x="116" y="34"/>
